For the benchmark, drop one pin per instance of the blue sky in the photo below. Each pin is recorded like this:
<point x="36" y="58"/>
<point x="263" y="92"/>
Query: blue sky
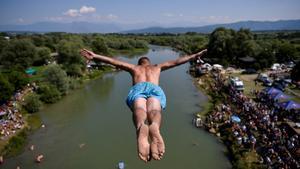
<point x="147" y="12"/>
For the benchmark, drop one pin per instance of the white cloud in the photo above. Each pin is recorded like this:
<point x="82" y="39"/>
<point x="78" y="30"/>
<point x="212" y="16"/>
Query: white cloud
<point x="168" y="15"/>
<point x="20" y="20"/>
<point x="112" y="16"/>
<point x="87" y="9"/>
<point x="72" y="13"/>
<point x="55" y="19"/>
<point x="105" y="17"/>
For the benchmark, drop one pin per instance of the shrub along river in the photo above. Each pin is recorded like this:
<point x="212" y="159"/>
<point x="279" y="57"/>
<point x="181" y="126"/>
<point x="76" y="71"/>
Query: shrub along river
<point x="92" y="127"/>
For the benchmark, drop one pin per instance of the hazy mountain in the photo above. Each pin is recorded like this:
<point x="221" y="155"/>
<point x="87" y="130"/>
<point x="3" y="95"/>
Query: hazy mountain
<point x="74" y="27"/>
<point x="252" y="25"/>
<point x="87" y="27"/>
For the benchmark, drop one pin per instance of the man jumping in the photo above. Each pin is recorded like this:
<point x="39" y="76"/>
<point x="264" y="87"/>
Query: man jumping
<point x="145" y="99"/>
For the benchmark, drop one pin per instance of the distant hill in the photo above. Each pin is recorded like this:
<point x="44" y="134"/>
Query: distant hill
<point x="74" y="27"/>
<point x="252" y="25"/>
<point x="87" y="27"/>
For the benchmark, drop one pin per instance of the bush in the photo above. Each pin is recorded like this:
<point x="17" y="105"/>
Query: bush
<point x="6" y="89"/>
<point x="15" y="145"/>
<point x="49" y="93"/>
<point x="57" y="77"/>
<point x="32" y="103"/>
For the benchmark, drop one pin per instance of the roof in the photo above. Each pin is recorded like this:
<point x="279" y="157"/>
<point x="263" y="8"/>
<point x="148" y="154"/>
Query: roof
<point x="247" y="59"/>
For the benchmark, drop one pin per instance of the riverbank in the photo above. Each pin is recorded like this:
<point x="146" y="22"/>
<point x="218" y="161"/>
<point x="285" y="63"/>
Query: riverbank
<point x="216" y="97"/>
<point x="255" y="131"/>
<point x="14" y="143"/>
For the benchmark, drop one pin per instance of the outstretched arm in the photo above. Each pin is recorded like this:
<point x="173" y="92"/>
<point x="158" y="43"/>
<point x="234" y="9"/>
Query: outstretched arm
<point x="181" y="60"/>
<point x="89" y="55"/>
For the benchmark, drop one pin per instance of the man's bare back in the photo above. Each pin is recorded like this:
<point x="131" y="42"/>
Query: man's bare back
<point x="146" y="99"/>
<point x="146" y="73"/>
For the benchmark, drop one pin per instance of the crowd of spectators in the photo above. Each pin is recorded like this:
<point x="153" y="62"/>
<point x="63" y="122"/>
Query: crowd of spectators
<point x="262" y="126"/>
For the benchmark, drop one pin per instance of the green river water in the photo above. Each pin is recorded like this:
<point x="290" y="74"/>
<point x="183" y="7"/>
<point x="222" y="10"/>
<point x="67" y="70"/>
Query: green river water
<point x="98" y="117"/>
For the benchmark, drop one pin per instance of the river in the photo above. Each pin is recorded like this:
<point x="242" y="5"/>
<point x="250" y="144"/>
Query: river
<point x="96" y="117"/>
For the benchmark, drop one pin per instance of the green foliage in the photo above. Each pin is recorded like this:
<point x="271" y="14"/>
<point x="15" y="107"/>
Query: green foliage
<point x="17" y="79"/>
<point x="15" y="144"/>
<point x="296" y="73"/>
<point x="227" y="46"/>
<point x="75" y="70"/>
<point x="18" y="54"/>
<point x="56" y="76"/>
<point x="48" y="93"/>
<point x="99" y="46"/>
<point x="6" y="89"/>
<point x="285" y="52"/>
<point x="3" y="43"/>
<point x="43" y="56"/>
<point x="69" y="52"/>
<point x="32" y="103"/>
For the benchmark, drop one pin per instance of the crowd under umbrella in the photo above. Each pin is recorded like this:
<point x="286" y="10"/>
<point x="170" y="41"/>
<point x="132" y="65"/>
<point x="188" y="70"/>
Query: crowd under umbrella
<point x="288" y="105"/>
<point x="280" y="96"/>
<point x="272" y="91"/>
<point x="235" y="119"/>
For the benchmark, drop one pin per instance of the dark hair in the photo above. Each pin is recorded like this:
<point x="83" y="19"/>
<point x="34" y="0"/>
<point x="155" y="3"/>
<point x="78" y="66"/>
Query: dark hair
<point x="142" y="60"/>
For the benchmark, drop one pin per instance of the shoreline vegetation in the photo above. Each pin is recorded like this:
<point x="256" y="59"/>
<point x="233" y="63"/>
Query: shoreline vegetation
<point x="40" y="69"/>
<point x="16" y="143"/>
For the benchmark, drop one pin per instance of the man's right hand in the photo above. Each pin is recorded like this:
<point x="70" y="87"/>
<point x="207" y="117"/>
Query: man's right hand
<point x="199" y="54"/>
<point x="89" y="55"/>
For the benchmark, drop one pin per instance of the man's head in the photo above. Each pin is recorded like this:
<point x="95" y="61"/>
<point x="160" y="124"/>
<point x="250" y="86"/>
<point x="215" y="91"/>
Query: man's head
<point x="144" y="60"/>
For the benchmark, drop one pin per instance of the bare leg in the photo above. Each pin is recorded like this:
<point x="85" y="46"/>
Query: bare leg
<point x="154" y="118"/>
<point x="142" y="130"/>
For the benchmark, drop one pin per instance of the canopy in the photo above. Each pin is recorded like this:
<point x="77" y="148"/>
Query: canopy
<point x="289" y="105"/>
<point x="30" y="71"/>
<point x="235" y="119"/>
<point x="247" y="59"/>
<point x="280" y="96"/>
<point x="272" y="91"/>
<point x="2" y="113"/>
<point x="217" y="67"/>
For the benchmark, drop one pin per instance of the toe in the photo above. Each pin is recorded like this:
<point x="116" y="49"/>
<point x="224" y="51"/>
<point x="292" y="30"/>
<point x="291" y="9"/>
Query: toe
<point x="143" y="157"/>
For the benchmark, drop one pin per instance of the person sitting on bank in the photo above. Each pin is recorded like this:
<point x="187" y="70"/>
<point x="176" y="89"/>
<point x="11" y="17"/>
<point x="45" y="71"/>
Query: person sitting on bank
<point x="146" y="99"/>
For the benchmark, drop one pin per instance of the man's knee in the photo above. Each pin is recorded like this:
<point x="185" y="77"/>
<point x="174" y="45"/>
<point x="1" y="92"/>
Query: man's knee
<point x="153" y="112"/>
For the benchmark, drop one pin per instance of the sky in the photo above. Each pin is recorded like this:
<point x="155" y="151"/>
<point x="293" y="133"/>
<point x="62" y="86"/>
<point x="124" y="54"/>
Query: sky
<point x="147" y="12"/>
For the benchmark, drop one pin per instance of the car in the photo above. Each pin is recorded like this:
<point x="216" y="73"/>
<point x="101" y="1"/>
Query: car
<point x="261" y="77"/>
<point x="237" y="84"/>
<point x="276" y="66"/>
<point x="249" y="71"/>
<point x="279" y="86"/>
<point x="290" y="64"/>
<point x="267" y="82"/>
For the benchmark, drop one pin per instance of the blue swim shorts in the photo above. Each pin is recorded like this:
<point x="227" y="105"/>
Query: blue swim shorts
<point x="146" y="90"/>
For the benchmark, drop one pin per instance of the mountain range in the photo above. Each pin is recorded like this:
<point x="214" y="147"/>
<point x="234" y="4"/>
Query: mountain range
<point x="87" y="27"/>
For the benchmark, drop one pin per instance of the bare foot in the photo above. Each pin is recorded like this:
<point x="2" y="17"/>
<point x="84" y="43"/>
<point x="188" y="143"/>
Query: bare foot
<point x="157" y="144"/>
<point x="143" y="144"/>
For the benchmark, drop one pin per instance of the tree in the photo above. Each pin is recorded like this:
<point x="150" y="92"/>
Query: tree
<point x="74" y="70"/>
<point x="17" y="79"/>
<point x="286" y="52"/>
<point x="6" y="89"/>
<point x="48" y="93"/>
<point x="57" y="77"/>
<point x="18" y="54"/>
<point x="32" y="103"/>
<point x="296" y="73"/>
<point x="43" y="56"/>
<point x="99" y="46"/>
<point x="221" y="43"/>
<point x="69" y="53"/>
